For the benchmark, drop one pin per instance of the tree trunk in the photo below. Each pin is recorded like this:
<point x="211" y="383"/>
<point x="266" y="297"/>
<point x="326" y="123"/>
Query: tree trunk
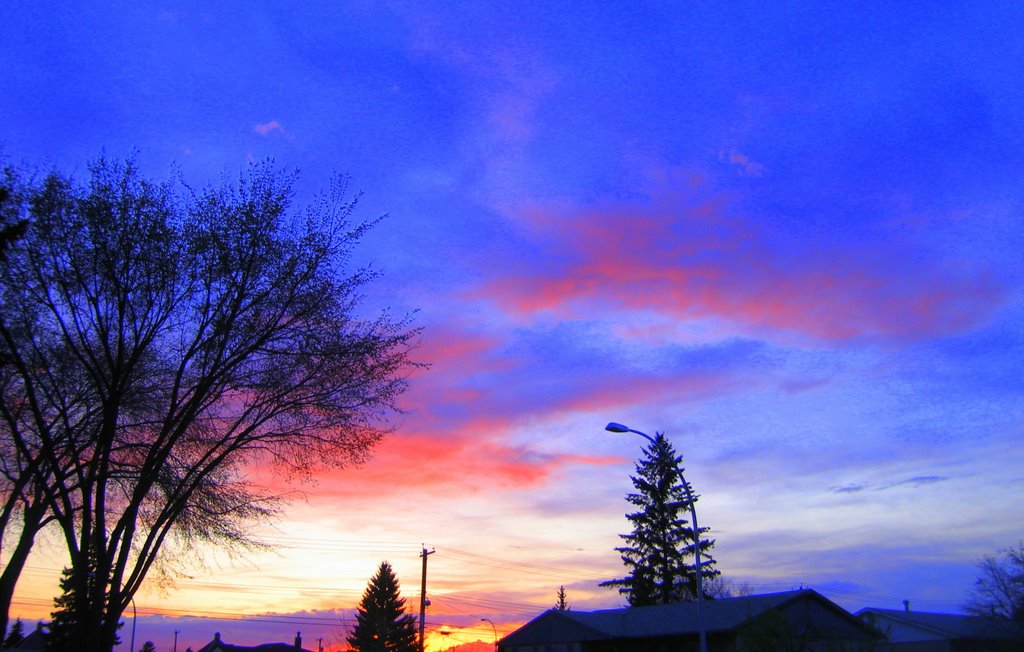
<point x="32" y="523"/>
<point x="108" y="632"/>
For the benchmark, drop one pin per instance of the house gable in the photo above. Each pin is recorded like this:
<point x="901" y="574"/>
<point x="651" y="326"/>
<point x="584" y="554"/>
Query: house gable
<point x="552" y="627"/>
<point x="821" y="618"/>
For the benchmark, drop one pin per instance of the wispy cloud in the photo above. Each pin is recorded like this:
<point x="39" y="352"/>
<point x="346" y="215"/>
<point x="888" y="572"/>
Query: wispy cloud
<point x="267" y="128"/>
<point x="915" y="482"/>
<point x="744" y="165"/>
<point x="848" y="488"/>
<point x="686" y="253"/>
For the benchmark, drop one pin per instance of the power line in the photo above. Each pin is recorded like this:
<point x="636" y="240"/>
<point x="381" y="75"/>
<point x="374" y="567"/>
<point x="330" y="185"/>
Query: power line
<point x="284" y="619"/>
<point x="518" y="565"/>
<point x="494" y="605"/>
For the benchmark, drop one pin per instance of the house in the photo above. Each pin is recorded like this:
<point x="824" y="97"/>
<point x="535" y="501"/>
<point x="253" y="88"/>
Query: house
<point x="217" y="645"/>
<point x="794" y="620"/>
<point x="918" y="631"/>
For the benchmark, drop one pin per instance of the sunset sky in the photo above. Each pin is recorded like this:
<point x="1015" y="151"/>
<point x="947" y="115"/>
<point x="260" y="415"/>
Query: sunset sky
<point x="788" y="235"/>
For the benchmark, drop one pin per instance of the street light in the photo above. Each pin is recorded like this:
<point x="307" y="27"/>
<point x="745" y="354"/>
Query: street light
<point x="619" y="428"/>
<point x="134" y="615"/>
<point x="493" y="629"/>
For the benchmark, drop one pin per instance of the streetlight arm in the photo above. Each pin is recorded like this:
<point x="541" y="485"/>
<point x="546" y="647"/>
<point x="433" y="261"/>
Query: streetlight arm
<point x="618" y="427"/>
<point x="493" y="629"/>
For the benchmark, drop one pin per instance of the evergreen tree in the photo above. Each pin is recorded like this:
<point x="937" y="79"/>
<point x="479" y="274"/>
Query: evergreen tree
<point x="659" y="553"/>
<point x="64" y="625"/>
<point x="148" y="646"/>
<point x="562" y="603"/>
<point x="381" y="622"/>
<point x="15" y="635"/>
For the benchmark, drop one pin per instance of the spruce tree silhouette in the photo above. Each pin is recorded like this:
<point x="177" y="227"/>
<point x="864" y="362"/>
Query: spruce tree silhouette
<point x="658" y="551"/>
<point x="381" y="622"/>
<point x="15" y="635"/>
<point x="562" y="603"/>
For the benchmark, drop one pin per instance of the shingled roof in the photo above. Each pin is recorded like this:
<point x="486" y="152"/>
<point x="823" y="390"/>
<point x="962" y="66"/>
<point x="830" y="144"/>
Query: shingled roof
<point x="949" y="626"/>
<point x="217" y="645"/>
<point x="681" y="618"/>
<point x="723" y="615"/>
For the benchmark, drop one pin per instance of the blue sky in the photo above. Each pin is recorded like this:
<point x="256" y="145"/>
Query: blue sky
<point x="787" y="235"/>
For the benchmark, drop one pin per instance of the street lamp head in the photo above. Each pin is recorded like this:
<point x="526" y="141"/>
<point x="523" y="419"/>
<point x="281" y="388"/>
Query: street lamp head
<point x="618" y="427"/>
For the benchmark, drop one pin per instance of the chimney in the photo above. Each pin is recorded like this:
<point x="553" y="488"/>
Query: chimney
<point x="906" y="605"/>
<point x="298" y="640"/>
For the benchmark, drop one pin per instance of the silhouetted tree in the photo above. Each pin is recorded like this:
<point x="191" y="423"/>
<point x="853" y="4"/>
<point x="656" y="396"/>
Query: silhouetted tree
<point x="15" y="635"/>
<point x="658" y="551"/>
<point x="381" y="622"/>
<point x="12" y="225"/>
<point x="23" y="474"/>
<point x="64" y="625"/>
<point x="720" y="587"/>
<point x="148" y="646"/>
<point x="155" y="345"/>
<point x="999" y="588"/>
<point x="561" y="604"/>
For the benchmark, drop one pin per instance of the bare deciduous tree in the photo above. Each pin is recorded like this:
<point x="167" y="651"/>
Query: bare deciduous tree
<point x="999" y="588"/>
<point x="155" y="346"/>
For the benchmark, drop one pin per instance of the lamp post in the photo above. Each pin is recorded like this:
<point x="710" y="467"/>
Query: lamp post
<point x="619" y="428"/>
<point x="131" y="647"/>
<point x="493" y="629"/>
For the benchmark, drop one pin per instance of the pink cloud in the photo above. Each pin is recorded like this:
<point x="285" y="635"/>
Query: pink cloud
<point x="508" y="72"/>
<point x="684" y="255"/>
<point x="469" y="461"/>
<point x="744" y="165"/>
<point x="265" y="128"/>
<point x="464" y="410"/>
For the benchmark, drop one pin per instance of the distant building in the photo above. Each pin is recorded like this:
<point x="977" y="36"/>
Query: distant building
<point x="797" y="620"/>
<point x="217" y="645"/>
<point x="919" y="631"/>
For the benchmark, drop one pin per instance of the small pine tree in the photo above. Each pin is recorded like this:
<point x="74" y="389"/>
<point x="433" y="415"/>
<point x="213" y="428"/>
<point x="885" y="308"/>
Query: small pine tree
<point x="64" y="633"/>
<point x="561" y="604"/>
<point x="381" y="622"/>
<point x="62" y="622"/>
<point x="657" y="551"/>
<point x="15" y="635"/>
<point x="148" y="646"/>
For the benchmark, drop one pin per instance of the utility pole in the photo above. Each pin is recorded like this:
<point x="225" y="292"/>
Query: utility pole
<point x="176" y="632"/>
<point x="423" y="594"/>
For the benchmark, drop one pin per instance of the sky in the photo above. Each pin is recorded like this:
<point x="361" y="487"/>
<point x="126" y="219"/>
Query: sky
<point x="787" y="235"/>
